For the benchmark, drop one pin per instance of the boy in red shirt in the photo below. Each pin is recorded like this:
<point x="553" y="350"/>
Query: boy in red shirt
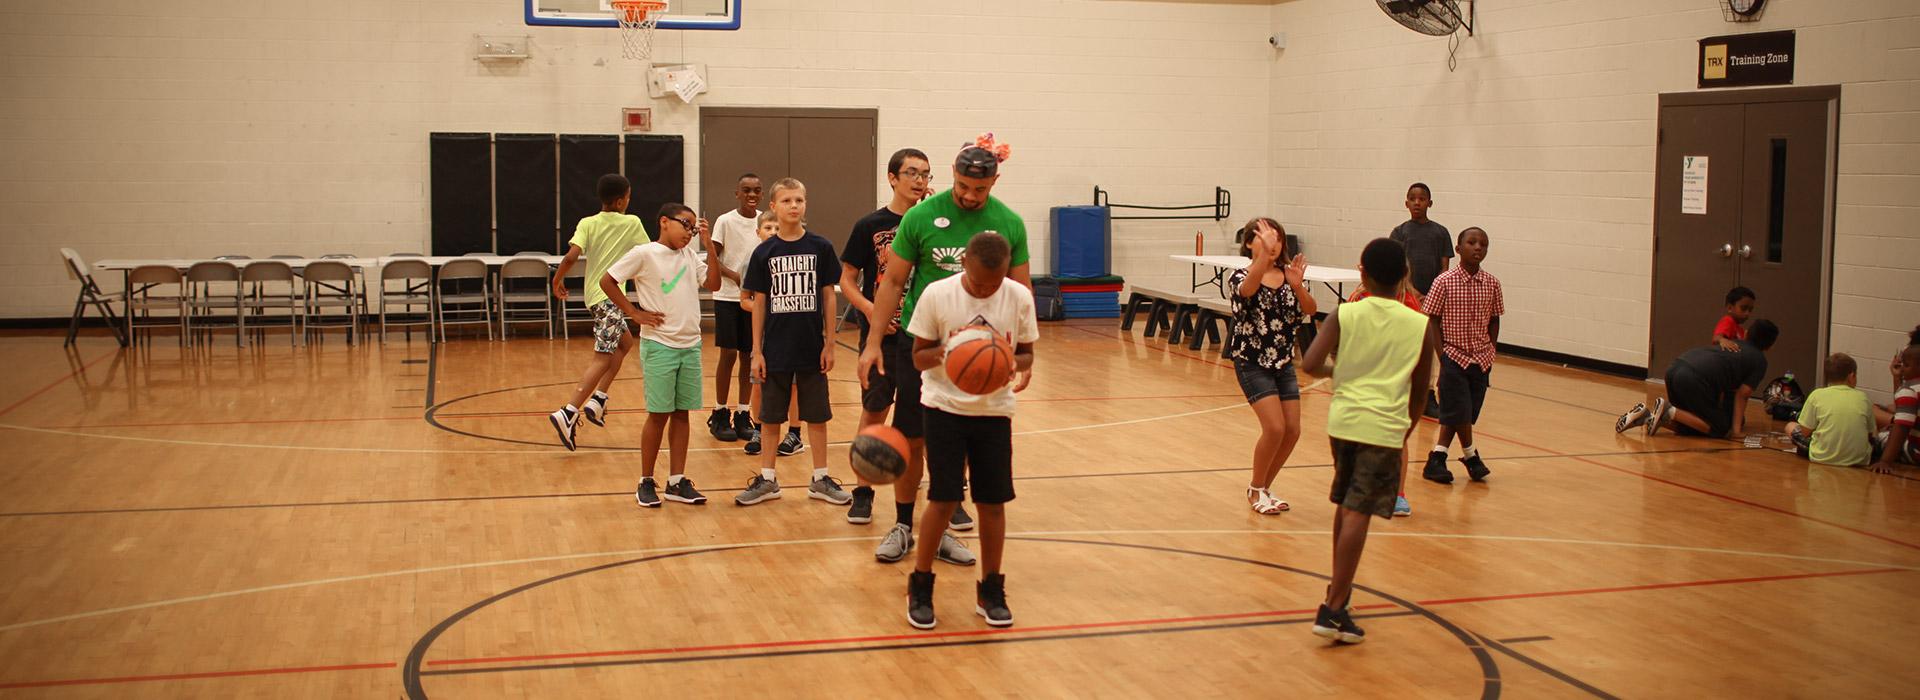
<point x="1733" y="326"/>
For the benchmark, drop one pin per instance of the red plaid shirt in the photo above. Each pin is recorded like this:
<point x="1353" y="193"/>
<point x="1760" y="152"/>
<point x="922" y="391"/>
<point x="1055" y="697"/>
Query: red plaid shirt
<point x="1466" y="303"/>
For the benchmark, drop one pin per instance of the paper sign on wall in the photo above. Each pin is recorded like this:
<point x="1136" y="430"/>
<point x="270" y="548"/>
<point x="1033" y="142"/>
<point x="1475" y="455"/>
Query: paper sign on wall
<point x="1693" y="185"/>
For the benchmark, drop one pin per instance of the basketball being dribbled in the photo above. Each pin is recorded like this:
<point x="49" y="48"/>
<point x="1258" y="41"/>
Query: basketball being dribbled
<point x="979" y="361"/>
<point x="879" y="454"/>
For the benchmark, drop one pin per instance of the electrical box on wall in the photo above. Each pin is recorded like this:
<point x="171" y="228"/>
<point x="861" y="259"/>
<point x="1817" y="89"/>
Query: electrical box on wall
<point x="684" y="80"/>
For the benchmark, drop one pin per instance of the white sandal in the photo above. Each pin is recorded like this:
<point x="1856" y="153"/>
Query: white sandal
<point x="1277" y="503"/>
<point x="1264" y="503"/>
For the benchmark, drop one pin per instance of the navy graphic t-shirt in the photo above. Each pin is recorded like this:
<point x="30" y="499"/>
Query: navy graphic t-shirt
<point x="791" y="274"/>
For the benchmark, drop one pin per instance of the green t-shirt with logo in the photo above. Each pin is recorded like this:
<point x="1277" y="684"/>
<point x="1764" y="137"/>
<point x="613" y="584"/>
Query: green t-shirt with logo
<point x="603" y="238"/>
<point x="933" y="237"/>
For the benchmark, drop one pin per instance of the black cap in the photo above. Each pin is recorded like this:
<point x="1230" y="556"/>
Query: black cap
<point x="975" y="161"/>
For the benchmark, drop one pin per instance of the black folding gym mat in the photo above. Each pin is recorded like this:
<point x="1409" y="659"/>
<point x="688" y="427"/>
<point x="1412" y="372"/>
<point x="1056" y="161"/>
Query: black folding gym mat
<point x="583" y="159"/>
<point x="525" y="204"/>
<point x="462" y="192"/>
<point x="656" y="164"/>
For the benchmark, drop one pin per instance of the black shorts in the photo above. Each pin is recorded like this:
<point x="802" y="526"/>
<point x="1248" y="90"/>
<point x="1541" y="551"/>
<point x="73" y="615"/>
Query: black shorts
<point x="732" y="326"/>
<point x="778" y="391"/>
<point x="1690" y="392"/>
<point x="899" y="388"/>
<point x="1366" y="478"/>
<point x="969" y="449"/>
<point x="1462" y="391"/>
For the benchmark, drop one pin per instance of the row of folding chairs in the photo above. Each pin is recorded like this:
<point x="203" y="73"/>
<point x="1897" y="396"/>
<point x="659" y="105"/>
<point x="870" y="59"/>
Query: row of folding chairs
<point x="221" y="295"/>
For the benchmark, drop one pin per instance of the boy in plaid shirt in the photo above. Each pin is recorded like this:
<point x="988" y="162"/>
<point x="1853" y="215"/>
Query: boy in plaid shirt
<point x="1465" y="305"/>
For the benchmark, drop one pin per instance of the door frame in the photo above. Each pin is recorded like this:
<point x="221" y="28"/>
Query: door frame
<point x="1830" y="94"/>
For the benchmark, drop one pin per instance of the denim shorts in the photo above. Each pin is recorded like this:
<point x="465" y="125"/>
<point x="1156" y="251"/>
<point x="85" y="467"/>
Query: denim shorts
<point x="1259" y="382"/>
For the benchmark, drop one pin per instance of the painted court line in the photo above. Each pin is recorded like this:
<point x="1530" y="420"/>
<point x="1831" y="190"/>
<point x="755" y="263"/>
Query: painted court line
<point x="955" y="634"/>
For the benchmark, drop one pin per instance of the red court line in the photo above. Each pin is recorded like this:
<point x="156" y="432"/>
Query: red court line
<point x="57" y="382"/>
<point x="927" y="635"/>
<point x="196" y="676"/>
<point x="1658" y="586"/>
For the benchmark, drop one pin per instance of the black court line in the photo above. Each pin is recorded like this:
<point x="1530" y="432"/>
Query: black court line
<point x="1549" y="670"/>
<point x="1520" y="640"/>
<point x="626" y="494"/>
<point x="736" y="656"/>
<point x="412" y="671"/>
<point x="433" y="367"/>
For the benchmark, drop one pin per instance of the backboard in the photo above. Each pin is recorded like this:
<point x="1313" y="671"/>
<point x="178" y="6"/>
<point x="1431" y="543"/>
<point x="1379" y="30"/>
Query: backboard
<point x="681" y="14"/>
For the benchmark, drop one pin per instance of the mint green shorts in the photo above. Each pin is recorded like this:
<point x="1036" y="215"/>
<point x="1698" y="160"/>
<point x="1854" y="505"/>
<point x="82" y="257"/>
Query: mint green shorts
<point x="672" y="377"/>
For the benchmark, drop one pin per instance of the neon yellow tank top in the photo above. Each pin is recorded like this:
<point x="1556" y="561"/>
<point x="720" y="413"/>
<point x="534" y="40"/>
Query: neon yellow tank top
<point x="1380" y="342"/>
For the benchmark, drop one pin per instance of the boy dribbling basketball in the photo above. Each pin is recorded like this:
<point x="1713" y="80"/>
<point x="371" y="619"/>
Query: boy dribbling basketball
<point x="969" y="437"/>
<point x="1384" y="354"/>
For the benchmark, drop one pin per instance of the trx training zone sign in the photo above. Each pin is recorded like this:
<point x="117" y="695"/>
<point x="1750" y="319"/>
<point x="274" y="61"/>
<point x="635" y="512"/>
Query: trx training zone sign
<point x="1743" y="60"/>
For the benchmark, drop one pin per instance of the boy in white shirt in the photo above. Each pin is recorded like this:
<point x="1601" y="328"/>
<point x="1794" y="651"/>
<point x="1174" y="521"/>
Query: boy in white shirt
<point x="733" y="235"/>
<point x="664" y="274"/>
<point x="969" y="437"/>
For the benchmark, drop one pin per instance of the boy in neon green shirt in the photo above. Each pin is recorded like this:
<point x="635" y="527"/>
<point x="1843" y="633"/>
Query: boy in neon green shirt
<point x="1384" y="354"/>
<point x="603" y="238"/>
<point x="1836" y="423"/>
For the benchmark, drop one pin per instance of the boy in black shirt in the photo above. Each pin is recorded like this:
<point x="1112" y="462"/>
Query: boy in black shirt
<point x="1708" y="388"/>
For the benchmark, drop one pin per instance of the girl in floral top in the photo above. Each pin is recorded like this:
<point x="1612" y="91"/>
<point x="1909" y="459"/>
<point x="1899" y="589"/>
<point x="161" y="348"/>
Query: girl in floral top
<point x="1270" y="303"/>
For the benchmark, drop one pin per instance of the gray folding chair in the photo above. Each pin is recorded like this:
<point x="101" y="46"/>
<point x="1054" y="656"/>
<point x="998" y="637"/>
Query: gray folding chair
<point x="272" y="298"/>
<point x="462" y="306"/>
<point x="89" y="294"/>
<point x="415" y="280"/>
<point x="141" y="301"/>
<point x="286" y="256"/>
<point x="216" y="291"/>
<point x="522" y="294"/>
<point x="330" y="285"/>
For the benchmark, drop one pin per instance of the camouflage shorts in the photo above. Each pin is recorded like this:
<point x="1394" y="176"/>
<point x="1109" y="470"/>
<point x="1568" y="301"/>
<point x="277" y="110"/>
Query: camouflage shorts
<point x="609" y="323"/>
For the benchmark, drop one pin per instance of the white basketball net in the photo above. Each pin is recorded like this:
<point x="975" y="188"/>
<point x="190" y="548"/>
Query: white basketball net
<point x="638" y="19"/>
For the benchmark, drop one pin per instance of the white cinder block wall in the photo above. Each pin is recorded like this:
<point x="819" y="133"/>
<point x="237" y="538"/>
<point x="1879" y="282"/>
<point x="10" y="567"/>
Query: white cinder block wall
<point x="181" y="129"/>
<point x="1545" y="136"/>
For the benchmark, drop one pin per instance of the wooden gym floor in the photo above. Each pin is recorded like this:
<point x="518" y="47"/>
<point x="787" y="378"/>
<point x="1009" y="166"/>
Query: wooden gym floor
<point x="392" y="519"/>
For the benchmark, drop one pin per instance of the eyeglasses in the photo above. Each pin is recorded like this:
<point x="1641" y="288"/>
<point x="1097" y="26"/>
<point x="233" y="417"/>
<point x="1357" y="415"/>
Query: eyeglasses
<point x="683" y="223"/>
<point x="916" y="175"/>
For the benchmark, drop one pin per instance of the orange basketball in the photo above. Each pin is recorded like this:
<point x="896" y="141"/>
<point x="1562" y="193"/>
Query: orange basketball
<point x="979" y="361"/>
<point x="879" y="454"/>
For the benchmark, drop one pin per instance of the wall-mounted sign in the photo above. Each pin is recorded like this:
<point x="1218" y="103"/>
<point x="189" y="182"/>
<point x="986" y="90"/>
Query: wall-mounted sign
<point x="1693" y="185"/>
<point x="1742" y="60"/>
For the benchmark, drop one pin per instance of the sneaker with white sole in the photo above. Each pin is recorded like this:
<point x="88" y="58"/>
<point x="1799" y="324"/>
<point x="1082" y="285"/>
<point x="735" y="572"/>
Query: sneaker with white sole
<point x="1337" y="625"/>
<point x="896" y="545"/>
<point x="759" y="489"/>
<point x="953" y="552"/>
<point x="564" y="422"/>
<point x="684" y="492"/>
<point x="826" y="489"/>
<point x="791" y="444"/>
<point x="644" y="494"/>
<point x="595" y="411"/>
<point x="861" y="512"/>
<point x="1659" y="415"/>
<point x="960" y="520"/>
<point x="1401" y="508"/>
<point x="920" y="600"/>
<point x="990" y="596"/>
<point x="1633" y="418"/>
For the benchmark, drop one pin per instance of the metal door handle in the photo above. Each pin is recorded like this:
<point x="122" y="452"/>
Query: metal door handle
<point x="1746" y="252"/>
<point x="1726" y="250"/>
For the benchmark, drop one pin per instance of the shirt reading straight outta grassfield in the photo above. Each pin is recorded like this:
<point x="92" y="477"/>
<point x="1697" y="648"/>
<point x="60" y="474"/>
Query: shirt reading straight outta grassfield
<point x="791" y="275"/>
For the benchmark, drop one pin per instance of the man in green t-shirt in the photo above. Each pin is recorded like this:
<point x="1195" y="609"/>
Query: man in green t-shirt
<point x="927" y="247"/>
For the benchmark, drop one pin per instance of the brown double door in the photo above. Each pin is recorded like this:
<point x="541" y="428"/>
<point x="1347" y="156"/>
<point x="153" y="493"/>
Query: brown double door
<point x="831" y="150"/>
<point x="1744" y="198"/>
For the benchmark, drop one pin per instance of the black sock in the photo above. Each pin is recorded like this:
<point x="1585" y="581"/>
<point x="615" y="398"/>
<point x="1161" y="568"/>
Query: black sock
<point x="904" y="512"/>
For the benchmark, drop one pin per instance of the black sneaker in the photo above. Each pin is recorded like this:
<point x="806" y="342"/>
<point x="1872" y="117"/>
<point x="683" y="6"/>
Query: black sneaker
<point x="753" y="439"/>
<point x="1436" y="470"/>
<point x="861" y="512"/>
<point x="684" y="492"/>
<point x="564" y="421"/>
<point x="742" y="422"/>
<point x="1337" y="625"/>
<point x="960" y="520"/>
<point x="791" y="444"/>
<point x="920" y="600"/>
<point x="991" y="595"/>
<point x="645" y="496"/>
<point x="721" y="426"/>
<point x="1476" y="469"/>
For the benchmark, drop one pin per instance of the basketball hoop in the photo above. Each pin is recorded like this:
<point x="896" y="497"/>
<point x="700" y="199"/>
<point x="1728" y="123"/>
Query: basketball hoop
<point x="638" y="19"/>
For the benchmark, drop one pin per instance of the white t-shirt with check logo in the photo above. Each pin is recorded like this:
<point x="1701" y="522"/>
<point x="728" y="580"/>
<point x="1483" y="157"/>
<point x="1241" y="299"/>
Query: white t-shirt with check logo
<point x="668" y="281"/>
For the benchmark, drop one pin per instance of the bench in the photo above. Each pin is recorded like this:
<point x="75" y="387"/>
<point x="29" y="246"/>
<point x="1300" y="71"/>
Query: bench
<point x="1204" y="330"/>
<point x="1165" y="309"/>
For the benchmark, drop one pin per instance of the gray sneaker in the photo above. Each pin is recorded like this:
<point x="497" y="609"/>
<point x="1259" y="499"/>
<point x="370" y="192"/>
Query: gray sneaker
<point x="960" y="520"/>
<point x="898" y="542"/>
<point x="760" y="489"/>
<point x="952" y="552"/>
<point x="826" y="489"/>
